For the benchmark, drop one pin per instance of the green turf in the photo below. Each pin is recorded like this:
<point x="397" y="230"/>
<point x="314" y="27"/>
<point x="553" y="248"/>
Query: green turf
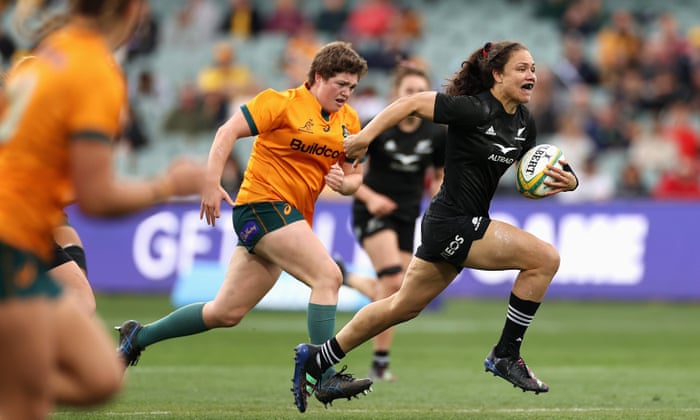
<point x="602" y="361"/>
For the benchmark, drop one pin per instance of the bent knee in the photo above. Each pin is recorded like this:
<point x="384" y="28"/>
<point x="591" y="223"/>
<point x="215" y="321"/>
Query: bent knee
<point x="549" y="258"/>
<point x="104" y="386"/>
<point x="330" y="280"/>
<point x="105" y="390"/>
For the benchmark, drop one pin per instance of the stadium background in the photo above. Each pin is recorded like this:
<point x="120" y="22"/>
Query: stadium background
<point x="618" y="91"/>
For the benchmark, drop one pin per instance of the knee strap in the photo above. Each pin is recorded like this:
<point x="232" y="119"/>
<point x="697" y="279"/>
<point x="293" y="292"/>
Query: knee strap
<point x="388" y="271"/>
<point x="77" y="253"/>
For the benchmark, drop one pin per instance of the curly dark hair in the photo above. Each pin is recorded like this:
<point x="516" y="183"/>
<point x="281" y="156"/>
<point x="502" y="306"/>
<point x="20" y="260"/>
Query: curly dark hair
<point x="476" y="73"/>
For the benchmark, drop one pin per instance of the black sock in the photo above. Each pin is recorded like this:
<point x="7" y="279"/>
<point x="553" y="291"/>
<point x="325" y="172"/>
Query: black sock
<point x="329" y="354"/>
<point x="381" y="358"/>
<point x="519" y="316"/>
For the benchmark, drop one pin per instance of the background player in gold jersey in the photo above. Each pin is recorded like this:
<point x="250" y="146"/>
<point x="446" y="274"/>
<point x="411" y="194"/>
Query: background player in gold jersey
<point x="298" y="150"/>
<point x="62" y="110"/>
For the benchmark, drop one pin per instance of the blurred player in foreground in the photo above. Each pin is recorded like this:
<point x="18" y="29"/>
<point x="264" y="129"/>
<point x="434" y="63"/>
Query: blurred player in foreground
<point x="62" y="109"/>
<point x="298" y="150"/>
<point x="69" y="266"/>
<point x="489" y="129"/>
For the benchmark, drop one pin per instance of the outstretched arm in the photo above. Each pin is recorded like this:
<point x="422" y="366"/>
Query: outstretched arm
<point x="421" y="104"/>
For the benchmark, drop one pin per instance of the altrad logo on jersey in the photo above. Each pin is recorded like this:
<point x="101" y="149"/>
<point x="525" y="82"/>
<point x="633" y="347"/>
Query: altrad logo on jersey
<point x="502" y="158"/>
<point x="314" y="149"/>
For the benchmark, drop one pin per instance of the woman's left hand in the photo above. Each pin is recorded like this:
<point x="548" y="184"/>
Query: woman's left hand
<point x="559" y="179"/>
<point x="355" y="148"/>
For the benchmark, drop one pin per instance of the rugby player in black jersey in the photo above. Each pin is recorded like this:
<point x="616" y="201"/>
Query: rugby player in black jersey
<point x="489" y="129"/>
<point x="387" y="204"/>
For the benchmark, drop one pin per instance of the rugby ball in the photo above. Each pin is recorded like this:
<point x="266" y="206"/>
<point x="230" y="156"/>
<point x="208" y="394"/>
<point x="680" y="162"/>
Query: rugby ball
<point x="530" y="177"/>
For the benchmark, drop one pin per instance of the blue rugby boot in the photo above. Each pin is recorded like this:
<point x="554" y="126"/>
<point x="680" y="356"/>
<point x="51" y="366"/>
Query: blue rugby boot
<point x="128" y="349"/>
<point x="304" y="381"/>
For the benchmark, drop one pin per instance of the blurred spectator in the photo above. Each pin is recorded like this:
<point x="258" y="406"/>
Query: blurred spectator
<point x="663" y="90"/>
<point x="193" y="24"/>
<point x="631" y="92"/>
<point x="608" y="128"/>
<point x="145" y="39"/>
<point x="8" y="47"/>
<point x="574" y="67"/>
<point x="681" y="130"/>
<point x="190" y="115"/>
<point x="691" y="67"/>
<point x="680" y="182"/>
<point x="595" y="186"/>
<point x="133" y="134"/>
<point x="300" y="51"/>
<point x="659" y="74"/>
<point x="332" y="17"/>
<point x="150" y="100"/>
<point x="543" y="104"/>
<point x="651" y="150"/>
<point x="618" y="45"/>
<point x="411" y="22"/>
<point x="667" y="34"/>
<point x="285" y="17"/>
<point x="241" y="20"/>
<point x="631" y="184"/>
<point x="225" y="77"/>
<point x="150" y="90"/>
<point x="550" y="9"/>
<point x="369" y="19"/>
<point x="572" y="139"/>
<point x="582" y="17"/>
<point x="392" y="47"/>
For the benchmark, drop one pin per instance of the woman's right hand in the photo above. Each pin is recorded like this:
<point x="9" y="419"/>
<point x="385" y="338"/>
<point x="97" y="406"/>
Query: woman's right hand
<point x="212" y="196"/>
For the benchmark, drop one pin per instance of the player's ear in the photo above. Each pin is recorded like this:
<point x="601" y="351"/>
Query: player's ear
<point x="497" y="76"/>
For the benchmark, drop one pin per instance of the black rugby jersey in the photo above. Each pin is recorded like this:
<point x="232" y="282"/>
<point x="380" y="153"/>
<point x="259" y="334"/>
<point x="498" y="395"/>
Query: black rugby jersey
<point x="397" y="164"/>
<point x="483" y="141"/>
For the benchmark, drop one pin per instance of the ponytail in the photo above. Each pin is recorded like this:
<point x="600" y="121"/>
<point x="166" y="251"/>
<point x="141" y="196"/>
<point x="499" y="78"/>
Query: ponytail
<point x="476" y="73"/>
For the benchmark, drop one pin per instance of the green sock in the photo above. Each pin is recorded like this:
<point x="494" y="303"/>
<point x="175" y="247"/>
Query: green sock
<point x="186" y="320"/>
<point x="321" y="323"/>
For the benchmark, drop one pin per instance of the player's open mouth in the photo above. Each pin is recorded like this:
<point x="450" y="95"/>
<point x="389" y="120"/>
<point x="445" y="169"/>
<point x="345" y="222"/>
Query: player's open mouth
<point x="528" y="86"/>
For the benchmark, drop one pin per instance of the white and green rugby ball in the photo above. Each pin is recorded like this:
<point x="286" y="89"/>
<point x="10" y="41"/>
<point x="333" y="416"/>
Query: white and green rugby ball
<point x="530" y="178"/>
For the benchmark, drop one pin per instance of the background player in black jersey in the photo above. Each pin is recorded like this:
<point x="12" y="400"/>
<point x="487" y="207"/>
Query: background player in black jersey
<point x="489" y="129"/>
<point x="387" y="204"/>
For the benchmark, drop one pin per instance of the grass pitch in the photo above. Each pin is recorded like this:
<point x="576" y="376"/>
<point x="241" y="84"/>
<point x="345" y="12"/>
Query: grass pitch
<point x="602" y="360"/>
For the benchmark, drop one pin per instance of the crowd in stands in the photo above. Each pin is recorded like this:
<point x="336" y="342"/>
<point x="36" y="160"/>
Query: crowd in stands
<point x="622" y="98"/>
